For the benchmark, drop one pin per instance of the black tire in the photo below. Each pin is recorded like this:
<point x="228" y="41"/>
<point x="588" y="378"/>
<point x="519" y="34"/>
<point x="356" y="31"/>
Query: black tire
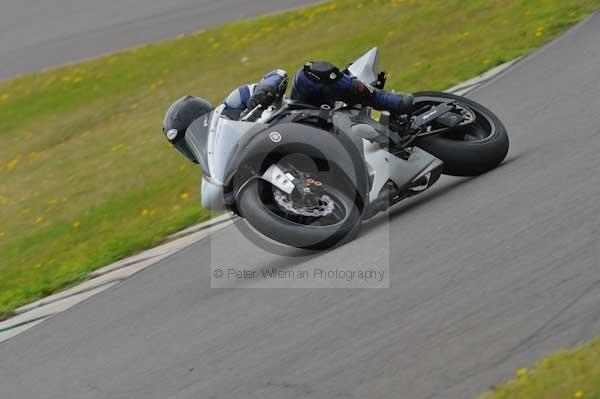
<point x="466" y="158"/>
<point x="251" y="208"/>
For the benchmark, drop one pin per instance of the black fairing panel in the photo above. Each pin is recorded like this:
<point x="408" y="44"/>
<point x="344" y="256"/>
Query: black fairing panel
<point x="256" y="150"/>
<point x="196" y="137"/>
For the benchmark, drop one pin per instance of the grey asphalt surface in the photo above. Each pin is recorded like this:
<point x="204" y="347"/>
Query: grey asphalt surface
<point x="38" y="34"/>
<point x="487" y="275"/>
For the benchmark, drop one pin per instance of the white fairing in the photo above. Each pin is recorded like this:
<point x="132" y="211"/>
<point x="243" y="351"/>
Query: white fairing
<point x="223" y="136"/>
<point x="365" y="68"/>
<point x="383" y="166"/>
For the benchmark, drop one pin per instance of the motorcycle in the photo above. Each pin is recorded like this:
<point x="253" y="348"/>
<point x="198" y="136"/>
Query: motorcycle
<point x="307" y="176"/>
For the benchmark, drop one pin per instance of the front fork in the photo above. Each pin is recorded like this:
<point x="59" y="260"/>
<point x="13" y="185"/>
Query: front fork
<point x="280" y="179"/>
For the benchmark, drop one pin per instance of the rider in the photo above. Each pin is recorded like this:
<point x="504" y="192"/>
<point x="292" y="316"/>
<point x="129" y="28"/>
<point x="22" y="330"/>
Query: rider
<point x="316" y="83"/>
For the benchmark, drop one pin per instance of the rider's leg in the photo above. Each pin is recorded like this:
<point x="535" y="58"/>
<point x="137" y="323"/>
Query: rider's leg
<point x="319" y="89"/>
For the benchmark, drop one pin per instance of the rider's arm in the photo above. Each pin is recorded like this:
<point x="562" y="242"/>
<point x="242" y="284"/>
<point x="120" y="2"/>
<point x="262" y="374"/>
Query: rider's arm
<point x="269" y="90"/>
<point x="238" y="99"/>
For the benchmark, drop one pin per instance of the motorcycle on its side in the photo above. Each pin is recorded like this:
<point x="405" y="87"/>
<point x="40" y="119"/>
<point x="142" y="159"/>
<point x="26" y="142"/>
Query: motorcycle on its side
<point x="307" y="176"/>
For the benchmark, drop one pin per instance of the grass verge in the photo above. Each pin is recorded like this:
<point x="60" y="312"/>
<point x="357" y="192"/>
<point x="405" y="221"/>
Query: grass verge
<point x="570" y="374"/>
<point x="86" y="177"/>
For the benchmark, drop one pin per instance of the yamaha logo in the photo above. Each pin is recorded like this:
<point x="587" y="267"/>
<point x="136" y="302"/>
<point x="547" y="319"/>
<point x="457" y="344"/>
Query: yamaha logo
<point x="275" y="137"/>
<point x="171" y="134"/>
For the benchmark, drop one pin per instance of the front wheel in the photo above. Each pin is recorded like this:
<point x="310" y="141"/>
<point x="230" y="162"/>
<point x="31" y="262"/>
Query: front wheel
<point x="324" y="218"/>
<point x="468" y="150"/>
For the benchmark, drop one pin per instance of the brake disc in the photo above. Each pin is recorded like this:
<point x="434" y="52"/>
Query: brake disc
<point x="466" y="113"/>
<point x="325" y="208"/>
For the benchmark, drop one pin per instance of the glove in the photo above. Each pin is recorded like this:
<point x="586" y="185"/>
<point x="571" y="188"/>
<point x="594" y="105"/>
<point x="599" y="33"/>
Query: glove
<point x="269" y="89"/>
<point x="263" y="95"/>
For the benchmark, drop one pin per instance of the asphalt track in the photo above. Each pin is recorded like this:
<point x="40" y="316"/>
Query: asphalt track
<point x="37" y="34"/>
<point x="487" y="275"/>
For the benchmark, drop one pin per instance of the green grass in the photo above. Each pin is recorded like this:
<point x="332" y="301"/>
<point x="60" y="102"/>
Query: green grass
<point x="570" y="374"/>
<point x="86" y="177"/>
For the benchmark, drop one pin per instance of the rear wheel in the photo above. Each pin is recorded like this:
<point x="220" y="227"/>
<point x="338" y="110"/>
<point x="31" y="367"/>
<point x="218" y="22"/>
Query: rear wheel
<point x="467" y="150"/>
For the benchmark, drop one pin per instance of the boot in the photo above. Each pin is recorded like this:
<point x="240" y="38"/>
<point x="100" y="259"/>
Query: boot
<point x="395" y="103"/>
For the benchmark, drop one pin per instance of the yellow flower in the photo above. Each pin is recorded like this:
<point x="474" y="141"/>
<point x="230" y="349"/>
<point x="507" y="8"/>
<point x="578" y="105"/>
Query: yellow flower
<point x="579" y="395"/>
<point x="76" y="224"/>
<point x="145" y="212"/>
<point x="39" y="219"/>
<point x="521" y="372"/>
<point x="540" y="31"/>
<point x="2" y="234"/>
<point x="66" y="78"/>
<point x="184" y="196"/>
<point x="12" y="164"/>
<point x="157" y="84"/>
<point x="4" y="97"/>
<point x="50" y="80"/>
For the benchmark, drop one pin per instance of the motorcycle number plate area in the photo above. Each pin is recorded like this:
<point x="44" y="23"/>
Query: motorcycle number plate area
<point x="279" y="179"/>
<point x="432" y="114"/>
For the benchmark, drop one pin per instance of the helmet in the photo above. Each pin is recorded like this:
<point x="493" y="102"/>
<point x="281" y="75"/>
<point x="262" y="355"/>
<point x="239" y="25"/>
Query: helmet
<point x="322" y="72"/>
<point x="179" y="116"/>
